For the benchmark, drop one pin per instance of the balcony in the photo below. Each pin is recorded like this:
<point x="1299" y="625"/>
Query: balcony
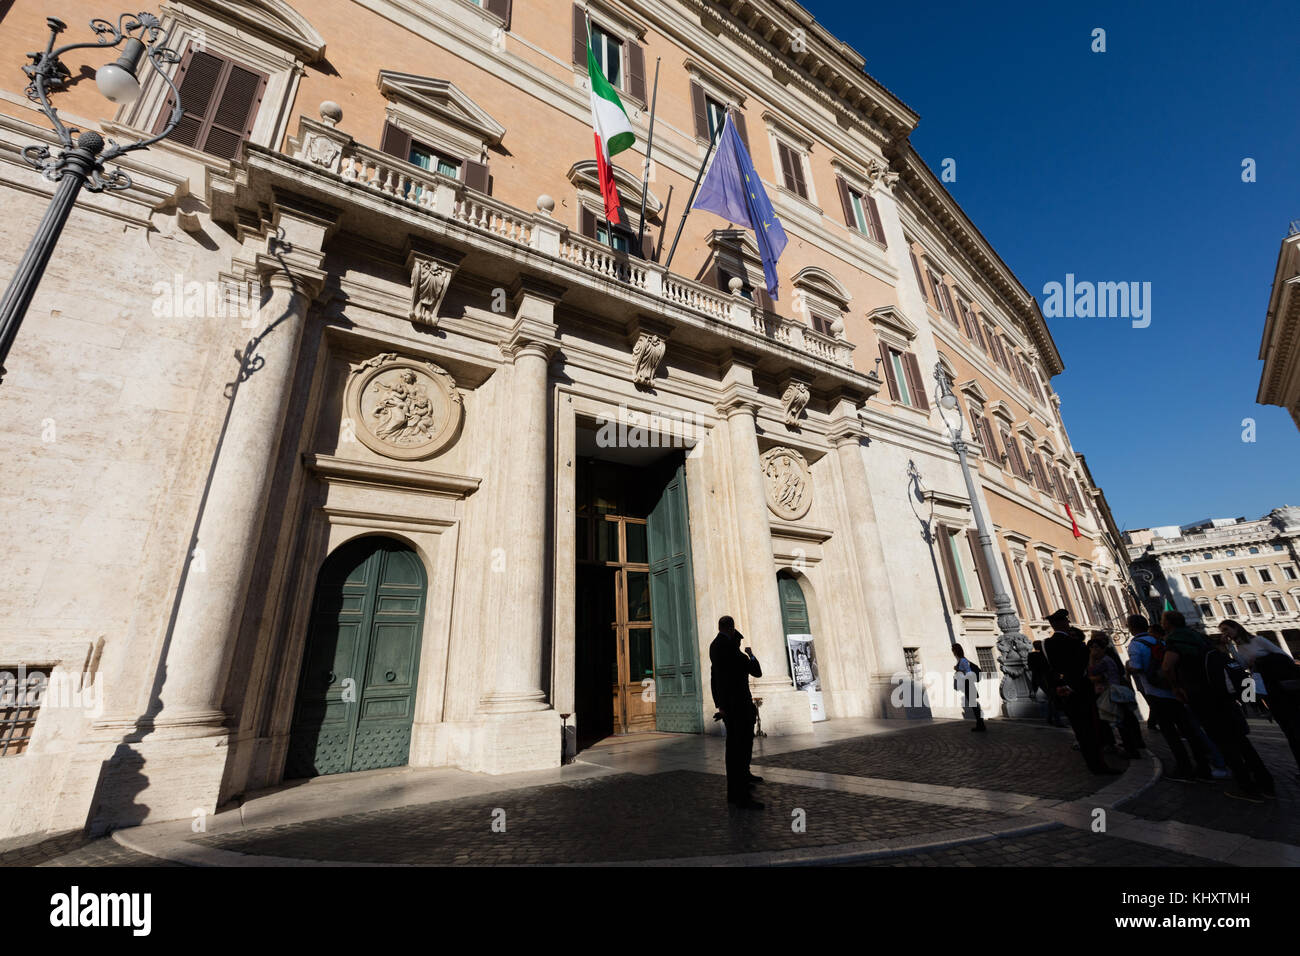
<point x="327" y="164"/>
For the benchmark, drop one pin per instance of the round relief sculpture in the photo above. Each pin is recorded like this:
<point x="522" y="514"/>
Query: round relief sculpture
<point x="403" y="408"/>
<point x="789" y="482"/>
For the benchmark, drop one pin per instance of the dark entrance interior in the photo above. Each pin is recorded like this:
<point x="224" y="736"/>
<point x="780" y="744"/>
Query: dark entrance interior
<point x="636" y="664"/>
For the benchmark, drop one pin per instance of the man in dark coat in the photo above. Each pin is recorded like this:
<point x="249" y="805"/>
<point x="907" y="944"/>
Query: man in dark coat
<point x="1067" y="679"/>
<point x="732" y="669"/>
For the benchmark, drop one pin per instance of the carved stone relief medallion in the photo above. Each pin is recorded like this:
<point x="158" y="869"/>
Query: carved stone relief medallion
<point x="788" y="482"/>
<point x="403" y="408"/>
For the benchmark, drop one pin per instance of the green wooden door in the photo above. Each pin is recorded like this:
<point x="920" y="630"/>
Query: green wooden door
<point x="356" y="694"/>
<point x="672" y="611"/>
<point x="794" y="612"/>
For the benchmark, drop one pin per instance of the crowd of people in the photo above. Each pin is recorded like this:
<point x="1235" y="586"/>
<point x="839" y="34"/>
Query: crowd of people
<point x="1196" y="688"/>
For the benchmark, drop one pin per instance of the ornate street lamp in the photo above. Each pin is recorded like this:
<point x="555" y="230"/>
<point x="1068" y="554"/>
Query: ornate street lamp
<point x="81" y="159"/>
<point x="1013" y="647"/>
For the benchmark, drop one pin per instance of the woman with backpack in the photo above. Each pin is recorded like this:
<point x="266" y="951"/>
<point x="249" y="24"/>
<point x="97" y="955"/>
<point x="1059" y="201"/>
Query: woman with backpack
<point x="1116" y="702"/>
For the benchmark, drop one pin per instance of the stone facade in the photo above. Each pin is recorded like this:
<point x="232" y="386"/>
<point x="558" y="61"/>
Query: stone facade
<point x="241" y="364"/>
<point x="1248" y="571"/>
<point x="1279" y="347"/>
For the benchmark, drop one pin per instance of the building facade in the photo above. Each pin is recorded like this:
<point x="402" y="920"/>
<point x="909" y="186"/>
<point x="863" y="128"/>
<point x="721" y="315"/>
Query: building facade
<point x="1279" y="348"/>
<point x="1223" y="568"/>
<point x="352" y="435"/>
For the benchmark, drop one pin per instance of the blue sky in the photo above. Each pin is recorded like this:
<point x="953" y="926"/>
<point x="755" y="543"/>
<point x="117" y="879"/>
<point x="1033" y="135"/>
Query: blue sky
<point x="1125" y="166"/>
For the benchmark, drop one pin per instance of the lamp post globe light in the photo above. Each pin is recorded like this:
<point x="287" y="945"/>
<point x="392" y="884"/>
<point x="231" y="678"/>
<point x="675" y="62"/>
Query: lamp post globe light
<point x="81" y="156"/>
<point x="1013" y="647"/>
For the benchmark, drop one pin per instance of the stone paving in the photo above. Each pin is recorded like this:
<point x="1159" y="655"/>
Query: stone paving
<point x="873" y="793"/>
<point x="1027" y="758"/>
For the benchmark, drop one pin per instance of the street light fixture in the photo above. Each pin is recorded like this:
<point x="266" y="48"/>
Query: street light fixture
<point x="1013" y="647"/>
<point x="81" y="157"/>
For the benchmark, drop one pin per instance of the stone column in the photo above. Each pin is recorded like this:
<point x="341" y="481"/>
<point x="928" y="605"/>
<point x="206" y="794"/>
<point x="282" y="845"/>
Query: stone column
<point x="784" y="710"/>
<point x="521" y="674"/>
<point x="882" y="616"/>
<point x="201" y="640"/>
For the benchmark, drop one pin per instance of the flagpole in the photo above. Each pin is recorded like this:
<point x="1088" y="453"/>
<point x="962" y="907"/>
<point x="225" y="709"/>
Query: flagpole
<point x="698" y="176"/>
<point x="645" y="177"/>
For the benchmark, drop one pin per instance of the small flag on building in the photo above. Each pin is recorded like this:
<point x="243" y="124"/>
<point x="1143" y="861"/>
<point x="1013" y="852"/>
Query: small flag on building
<point x="613" y="133"/>
<point x="1074" y="525"/>
<point x="733" y="190"/>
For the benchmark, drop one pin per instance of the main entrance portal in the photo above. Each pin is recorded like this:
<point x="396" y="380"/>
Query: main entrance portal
<point x="636" y="666"/>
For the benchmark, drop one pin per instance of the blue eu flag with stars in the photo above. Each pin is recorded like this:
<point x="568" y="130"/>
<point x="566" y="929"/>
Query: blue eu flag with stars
<point x="733" y="190"/>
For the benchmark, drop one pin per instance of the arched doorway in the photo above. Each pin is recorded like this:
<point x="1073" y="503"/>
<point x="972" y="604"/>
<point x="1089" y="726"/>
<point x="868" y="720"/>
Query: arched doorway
<point x="356" y="693"/>
<point x="801" y="653"/>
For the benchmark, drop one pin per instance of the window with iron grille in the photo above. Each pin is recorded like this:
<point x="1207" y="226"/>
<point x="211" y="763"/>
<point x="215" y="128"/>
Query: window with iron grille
<point x="21" y="692"/>
<point x="987" y="661"/>
<point x="912" y="658"/>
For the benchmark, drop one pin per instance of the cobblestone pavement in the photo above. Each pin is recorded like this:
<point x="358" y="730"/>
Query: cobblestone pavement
<point x="929" y="794"/>
<point x="1205" y="804"/>
<point x="608" y="819"/>
<point x="1063" y="847"/>
<point x="1028" y="758"/>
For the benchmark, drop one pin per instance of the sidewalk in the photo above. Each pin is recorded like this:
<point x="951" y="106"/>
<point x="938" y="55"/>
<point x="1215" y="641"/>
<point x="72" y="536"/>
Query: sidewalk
<point x="859" y="791"/>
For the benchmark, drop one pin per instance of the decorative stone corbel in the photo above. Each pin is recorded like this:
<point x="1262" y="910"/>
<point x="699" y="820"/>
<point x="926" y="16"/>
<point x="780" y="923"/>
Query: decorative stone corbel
<point x="649" y="340"/>
<point x="431" y="269"/>
<point x="793" y="401"/>
<point x="879" y="173"/>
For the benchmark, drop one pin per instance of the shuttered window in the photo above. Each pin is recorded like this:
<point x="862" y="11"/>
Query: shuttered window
<point x="920" y="282"/>
<point x="792" y="170"/>
<point x="903" y="376"/>
<point x="621" y="60"/>
<point x="501" y="8"/>
<point x="861" y="212"/>
<point x="1013" y="455"/>
<point x="1036" y="579"/>
<point x="220" y="99"/>
<point x="948" y="555"/>
<point x="981" y="568"/>
<point x="396" y="141"/>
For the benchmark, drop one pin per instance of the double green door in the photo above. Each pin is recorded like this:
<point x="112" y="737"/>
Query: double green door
<point x="356" y="694"/>
<point x="678" y="699"/>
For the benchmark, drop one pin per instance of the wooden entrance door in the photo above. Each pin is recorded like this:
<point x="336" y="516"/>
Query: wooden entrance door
<point x="634" y="669"/>
<point x="356" y="693"/>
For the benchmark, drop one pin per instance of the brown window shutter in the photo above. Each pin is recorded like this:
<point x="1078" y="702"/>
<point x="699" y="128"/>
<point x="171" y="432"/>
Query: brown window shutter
<point x="915" y="384"/>
<point x="796" y="163"/>
<point x="982" y="567"/>
<point x="701" y="111"/>
<point x="587" y="223"/>
<point x="636" y="71"/>
<point x="501" y="8"/>
<point x="890" y="379"/>
<point x="476" y="175"/>
<point x="396" y="142"/>
<point x="1060" y="485"/>
<point x="968" y="322"/>
<point x="991" y="443"/>
<point x="647" y="245"/>
<point x="198" y="88"/>
<point x="763" y="300"/>
<point x="979" y="334"/>
<point x="787" y="166"/>
<point x="947" y="299"/>
<point x="920" y="283"/>
<point x="1016" y="588"/>
<point x="943" y="538"/>
<point x="234" y="112"/>
<point x="847" y="202"/>
<point x="873" y="220"/>
<point x="579" y="37"/>
<point x="1013" y="452"/>
<point x="220" y="98"/>
<point x="1037" y="584"/>
<point x="738" y="118"/>
<point x="1065" y="593"/>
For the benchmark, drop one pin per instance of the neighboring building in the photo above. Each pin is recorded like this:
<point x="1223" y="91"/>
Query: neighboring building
<point x="474" y="479"/>
<point x="1225" y="568"/>
<point x="1279" y="349"/>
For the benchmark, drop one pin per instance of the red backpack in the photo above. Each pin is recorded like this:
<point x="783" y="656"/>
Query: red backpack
<point x="1153" y="673"/>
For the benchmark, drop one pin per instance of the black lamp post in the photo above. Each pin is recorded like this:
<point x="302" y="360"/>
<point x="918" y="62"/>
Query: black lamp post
<point x="80" y="160"/>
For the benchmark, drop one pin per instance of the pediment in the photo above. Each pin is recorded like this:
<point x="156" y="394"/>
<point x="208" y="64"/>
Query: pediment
<point x="585" y="173"/>
<point x="442" y="98"/>
<point x="822" y="283"/>
<point x="274" y="19"/>
<point x="892" y="318"/>
<point x="1002" y="410"/>
<point x="972" y="389"/>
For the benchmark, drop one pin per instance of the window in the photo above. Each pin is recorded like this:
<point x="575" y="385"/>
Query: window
<point x="1240" y="576"/>
<point x="432" y="160"/>
<point x="1279" y="605"/>
<point x="903" y="377"/>
<point x="608" y="50"/>
<point x="1277" y="547"/>
<point x="960" y="575"/>
<point x="1013" y="455"/>
<point x="1195" y="581"/>
<point x="21" y="693"/>
<point x="1229" y="609"/>
<point x="1217" y="579"/>
<point x="716" y="115"/>
<point x="1186" y="558"/>
<point x="597" y="228"/>
<point x="1265" y="575"/>
<point x="984" y="435"/>
<point x="987" y="661"/>
<point x="710" y="108"/>
<point x="920" y="282"/>
<point x="1289" y="572"/>
<point x="1254" y="550"/>
<point x="1208" y="556"/>
<point x="1206" y="609"/>
<point x="792" y="170"/>
<point x="1230" y="553"/>
<point x="623" y="239"/>
<point x="912" y="661"/>
<point x="861" y="212"/>
<point x="1253" y="606"/>
<point x="220" y="99"/>
<point x="398" y="142"/>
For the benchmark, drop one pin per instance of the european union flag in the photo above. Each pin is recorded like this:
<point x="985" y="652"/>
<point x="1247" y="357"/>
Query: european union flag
<point x="733" y="190"/>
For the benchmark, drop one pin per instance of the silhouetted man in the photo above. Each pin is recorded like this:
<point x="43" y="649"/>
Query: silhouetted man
<point x="732" y="669"/>
<point x="1067" y="678"/>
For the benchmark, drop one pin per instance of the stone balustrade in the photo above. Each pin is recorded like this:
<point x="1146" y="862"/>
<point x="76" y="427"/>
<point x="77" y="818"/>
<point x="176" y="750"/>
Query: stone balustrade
<point x="334" y="152"/>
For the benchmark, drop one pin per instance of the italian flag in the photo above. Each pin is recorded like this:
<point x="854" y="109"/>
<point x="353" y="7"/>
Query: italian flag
<point x="612" y="130"/>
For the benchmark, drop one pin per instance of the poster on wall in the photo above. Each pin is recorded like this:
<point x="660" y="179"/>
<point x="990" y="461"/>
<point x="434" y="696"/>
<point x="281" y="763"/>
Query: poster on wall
<point x="803" y="667"/>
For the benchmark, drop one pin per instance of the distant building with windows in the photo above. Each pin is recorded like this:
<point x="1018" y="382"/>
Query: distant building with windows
<point x="1220" y="568"/>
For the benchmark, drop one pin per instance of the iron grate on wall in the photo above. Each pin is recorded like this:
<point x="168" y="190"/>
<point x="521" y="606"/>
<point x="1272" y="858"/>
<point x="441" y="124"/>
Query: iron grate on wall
<point x="21" y="693"/>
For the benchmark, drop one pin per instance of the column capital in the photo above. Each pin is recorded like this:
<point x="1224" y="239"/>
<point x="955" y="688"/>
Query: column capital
<point x="738" y="400"/>
<point x="297" y="273"/>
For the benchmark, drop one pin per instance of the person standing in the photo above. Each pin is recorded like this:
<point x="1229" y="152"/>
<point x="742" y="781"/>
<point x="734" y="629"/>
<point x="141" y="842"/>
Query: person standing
<point x="1198" y="672"/>
<point x="1116" y="702"/>
<point x="1277" y="679"/>
<point x="1146" y="653"/>
<point x="1067" y="669"/>
<point x="1037" y="664"/>
<point x="965" y="681"/>
<point x="731" y="670"/>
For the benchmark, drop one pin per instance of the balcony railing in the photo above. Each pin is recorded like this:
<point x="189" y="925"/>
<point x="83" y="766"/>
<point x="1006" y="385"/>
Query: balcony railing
<point x="335" y="152"/>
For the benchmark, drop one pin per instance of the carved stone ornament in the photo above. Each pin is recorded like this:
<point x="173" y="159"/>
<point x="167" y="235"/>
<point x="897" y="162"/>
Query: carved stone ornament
<point x="429" y="282"/>
<point x="648" y="353"/>
<point x="879" y="172"/>
<point x="789" y="482"/>
<point x="322" y="152"/>
<point x="794" y="401"/>
<point x="403" y="408"/>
